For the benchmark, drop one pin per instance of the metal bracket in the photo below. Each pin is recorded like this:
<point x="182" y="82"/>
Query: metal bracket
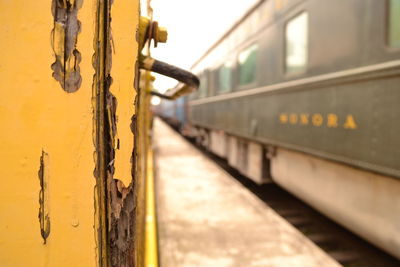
<point x="148" y="31"/>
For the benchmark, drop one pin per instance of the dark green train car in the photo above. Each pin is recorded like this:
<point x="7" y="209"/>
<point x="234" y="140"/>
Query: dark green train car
<point x="307" y="92"/>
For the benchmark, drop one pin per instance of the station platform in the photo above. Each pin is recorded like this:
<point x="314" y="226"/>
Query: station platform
<point x="206" y="218"/>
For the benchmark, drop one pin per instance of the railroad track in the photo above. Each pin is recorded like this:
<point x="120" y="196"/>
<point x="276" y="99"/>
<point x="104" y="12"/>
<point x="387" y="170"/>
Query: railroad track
<point x="342" y="245"/>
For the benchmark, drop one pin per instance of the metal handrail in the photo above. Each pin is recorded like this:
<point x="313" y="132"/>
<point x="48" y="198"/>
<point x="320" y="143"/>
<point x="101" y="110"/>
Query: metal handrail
<point x="189" y="81"/>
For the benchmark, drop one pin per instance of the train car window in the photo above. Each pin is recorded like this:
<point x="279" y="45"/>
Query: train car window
<point x="394" y="23"/>
<point x="193" y="95"/>
<point x="296" y="35"/>
<point x="203" y="90"/>
<point x="225" y="78"/>
<point x="247" y="65"/>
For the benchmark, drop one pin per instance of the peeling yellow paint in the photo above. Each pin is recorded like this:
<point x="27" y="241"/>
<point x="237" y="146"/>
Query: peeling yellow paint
<point x="44" y="200"/>
<point x="124" y="27"/>
<point x="58" y="123"/>
<point x="36" y="115"/>
<point x="66" y="68"/>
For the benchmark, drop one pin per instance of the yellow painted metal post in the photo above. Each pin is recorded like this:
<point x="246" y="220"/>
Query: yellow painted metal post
<point x="151" y="252"/>
<point x="144" y="137"/>
<point x="151" y="237"/>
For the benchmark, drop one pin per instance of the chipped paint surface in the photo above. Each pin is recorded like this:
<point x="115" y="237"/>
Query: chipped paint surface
<point x="100" y="134"/>
<point x="37" y="115"/>
<point x="120" y="102"/>
<point x="123" y="73"/>
<point x="66" y="68"/>
<point x="44" y="213"/>
<point x="88" y="196"/>
<point x="115" y="203"/>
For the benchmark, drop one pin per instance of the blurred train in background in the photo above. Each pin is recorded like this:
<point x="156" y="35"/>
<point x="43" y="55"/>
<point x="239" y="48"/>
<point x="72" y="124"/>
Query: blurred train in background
<point x="305" y="93"/>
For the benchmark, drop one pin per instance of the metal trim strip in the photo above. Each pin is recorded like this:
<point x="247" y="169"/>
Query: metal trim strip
<point x="300" y="82"/>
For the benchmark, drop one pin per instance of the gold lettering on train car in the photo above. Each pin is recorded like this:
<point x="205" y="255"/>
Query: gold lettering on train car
<point x="350" y="123"/>
<point x="317" y="119"/>
<point x="293" y="118"/>
<point x="283" y="118"/>
<point x="304" y="118"/>
<point x="332" y="120"/>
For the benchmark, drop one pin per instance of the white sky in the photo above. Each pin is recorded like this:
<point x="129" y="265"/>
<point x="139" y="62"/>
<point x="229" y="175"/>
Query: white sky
<point x="193" y="26"/>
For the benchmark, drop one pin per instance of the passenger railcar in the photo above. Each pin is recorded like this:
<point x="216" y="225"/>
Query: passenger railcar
<point x="306" y="92"/>
<point x="174" y="112"/>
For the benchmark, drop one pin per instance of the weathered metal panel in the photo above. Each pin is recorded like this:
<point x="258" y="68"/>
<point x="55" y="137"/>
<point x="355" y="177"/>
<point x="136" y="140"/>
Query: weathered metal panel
<point x="120" y="122"/>
<point x="61" y="129"/>
<point x="125" y="16"/>
<point x="46" y="128"/>
<point x="349" y="122"/>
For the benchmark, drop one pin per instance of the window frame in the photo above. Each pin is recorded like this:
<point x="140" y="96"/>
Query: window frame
<point x="238" y="65"/>
<point x="203" y="75"/>
<point x="231" y="76"/>
<point x="285" y="52"/>
<point x="388" y="46"/>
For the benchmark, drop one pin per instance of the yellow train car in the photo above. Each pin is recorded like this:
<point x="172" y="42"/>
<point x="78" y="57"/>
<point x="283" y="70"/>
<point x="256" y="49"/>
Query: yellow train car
<point x="74" y="136"/>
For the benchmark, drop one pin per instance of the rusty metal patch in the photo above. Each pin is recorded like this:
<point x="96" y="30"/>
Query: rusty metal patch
<point x="64" y="39"/>
<point x="44" y="213"/>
